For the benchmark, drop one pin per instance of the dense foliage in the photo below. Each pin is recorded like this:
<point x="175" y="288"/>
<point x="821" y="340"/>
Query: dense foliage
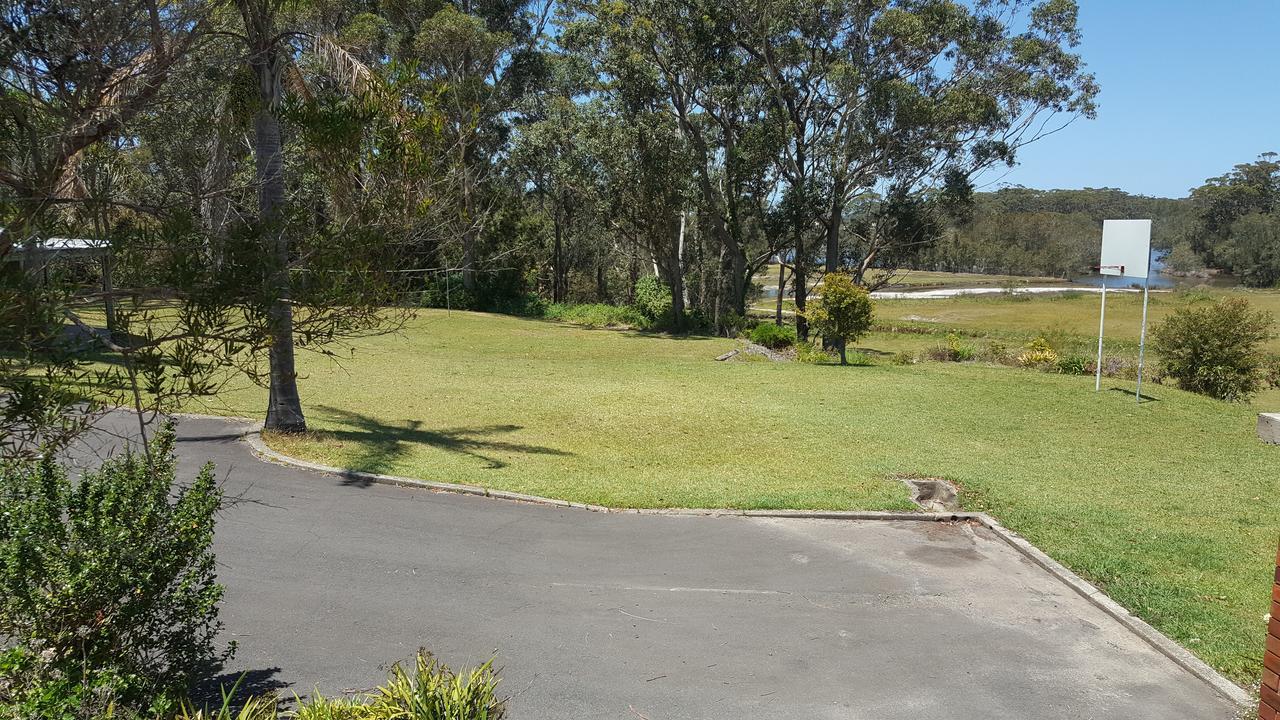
<point x="107" y="592"/>
<point x="1237" y="223"/>
<point x="843" y="313"/>
<point x="1216" y="349"/>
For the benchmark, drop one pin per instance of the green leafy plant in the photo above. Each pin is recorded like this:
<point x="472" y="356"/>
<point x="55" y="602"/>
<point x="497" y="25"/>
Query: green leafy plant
<point x="107" y="592"/>
<point x="1215" y="349"/>
<point x="429" y="690"/>
<point x="1038" y="353"/>
<point x="843" y="313"/>
<point x="773" y="336"/>
<point x="807" y="352"/>
<point x="1075" y="365"/>
<point x="955" y="350"/>
<point x="653" y="299"/>
<point x="597" y="315"/>
<point x="902" y="357"/>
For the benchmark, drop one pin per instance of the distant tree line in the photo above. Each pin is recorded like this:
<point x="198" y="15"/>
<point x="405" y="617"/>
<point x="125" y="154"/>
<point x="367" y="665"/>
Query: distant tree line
<point x="1056" y="233"/>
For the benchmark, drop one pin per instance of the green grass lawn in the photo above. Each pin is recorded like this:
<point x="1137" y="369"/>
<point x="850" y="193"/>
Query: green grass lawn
<point x="1172" y="506"/>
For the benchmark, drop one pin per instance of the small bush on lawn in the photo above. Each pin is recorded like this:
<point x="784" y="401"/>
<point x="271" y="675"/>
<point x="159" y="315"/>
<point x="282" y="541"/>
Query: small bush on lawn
<point x="902" y="357"/>
<point x="843" y="313"/>
<point x="773" y="336"/>
<point x="1038" y="353"/>
<point x="1215" y="349"/>
<point x="653" y="299"/>
<point x="812" y="354"/>
<point x="107" y="592"/>
<point x="1075" y="365"/>
<point x="597" y="315"/>
<point x="1271" y="371"/>
<point x="859" y="358"/>
<point x="954" y="351"/>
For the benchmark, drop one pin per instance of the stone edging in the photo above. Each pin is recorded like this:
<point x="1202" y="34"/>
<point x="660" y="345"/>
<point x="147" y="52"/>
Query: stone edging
<point x="251" y="434"/>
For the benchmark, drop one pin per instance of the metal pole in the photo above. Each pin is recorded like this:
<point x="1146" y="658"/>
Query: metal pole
<point x="1142" y="339"/>
<point x="1102" y="319"/>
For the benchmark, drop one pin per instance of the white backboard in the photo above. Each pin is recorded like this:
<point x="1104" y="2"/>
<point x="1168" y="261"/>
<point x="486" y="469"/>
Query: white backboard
<point x="1126" y="243"/>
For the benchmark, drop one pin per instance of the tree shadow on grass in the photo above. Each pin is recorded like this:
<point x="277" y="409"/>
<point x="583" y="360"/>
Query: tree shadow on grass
<point x="382" y="444"/>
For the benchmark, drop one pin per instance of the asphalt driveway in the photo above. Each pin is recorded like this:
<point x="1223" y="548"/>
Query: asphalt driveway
<point x="609" y="615"/>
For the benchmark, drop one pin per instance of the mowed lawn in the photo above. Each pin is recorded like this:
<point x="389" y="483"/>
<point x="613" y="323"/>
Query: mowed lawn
<point x="1172" y="506"/>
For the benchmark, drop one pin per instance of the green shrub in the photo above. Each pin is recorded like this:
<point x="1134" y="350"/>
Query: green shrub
<point x="1075" y="365"/>
<point x="859" y="358"/>
<point x="107" y="592"/>
<point x="955" y="350"/>
<point x="843" y="313"/>
<point x="1038" y="353"/>
<point x="653" y="299"/>
<point x="902" y="357"/>
<point x="429" y="690"/>
<point x="807" y="352"/>
<point x="597" y="315"/>
<point x="773" y="336"/>
<point x="1271" y="371"/>
<point x="1215" y="349"/>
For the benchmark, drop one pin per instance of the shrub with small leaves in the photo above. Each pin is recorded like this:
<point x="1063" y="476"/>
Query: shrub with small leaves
<point x="653" y="299"/>
<point x="107" y="592"/>
<point x="843" y="313"/>
<point x="1215" y="349"/>
<point x="1075" y="365"/>
<point x="773" y="336"/>
<point x="955" y="350"/>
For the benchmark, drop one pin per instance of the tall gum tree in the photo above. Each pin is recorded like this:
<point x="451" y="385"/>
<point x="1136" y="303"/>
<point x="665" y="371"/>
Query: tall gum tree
<point x="903" y="97"/>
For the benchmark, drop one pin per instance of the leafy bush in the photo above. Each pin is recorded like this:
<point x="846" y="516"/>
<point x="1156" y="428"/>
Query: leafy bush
<point x="902" y="357"/>
<point x="1271" y="371"/>
<point x="1075" y="365"/>
<point x="1215" y="349"/>
<point x="955" y="350"/>
<point x="1038" y="352"/>
<point x="807" y="352"/>
<point x="597" y="315"/>
<point x="773" y="336"/>
<point x="843" y="313"/>
<point x="107" y="592"/>
<point x="653" y="299"/>
<point x="428" y="690"/>
<point x="860" y="359"/>
<point x="431" y="691"/>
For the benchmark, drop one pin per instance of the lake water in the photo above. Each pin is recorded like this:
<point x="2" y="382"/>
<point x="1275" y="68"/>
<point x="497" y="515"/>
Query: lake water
<point x="1158" y="279"/>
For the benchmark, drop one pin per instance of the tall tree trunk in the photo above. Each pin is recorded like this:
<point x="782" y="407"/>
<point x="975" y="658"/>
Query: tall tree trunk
<point x="557" y="258"/>
<point x="835" y="217"/>
<point x="284" y="408"/>
<point x="782" y="292"/>
<point x="469" y="230"/>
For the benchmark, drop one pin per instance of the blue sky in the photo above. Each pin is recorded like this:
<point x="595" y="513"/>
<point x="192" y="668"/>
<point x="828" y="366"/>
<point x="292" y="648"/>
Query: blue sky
<point x="1189" y="89"/>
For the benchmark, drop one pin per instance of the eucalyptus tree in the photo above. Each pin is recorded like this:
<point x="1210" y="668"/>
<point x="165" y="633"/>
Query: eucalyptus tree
<point x="74" y="73"/>
<point x="899" y="97"/>
<point x="550" y="154"/>
<point x="684" y="56"/>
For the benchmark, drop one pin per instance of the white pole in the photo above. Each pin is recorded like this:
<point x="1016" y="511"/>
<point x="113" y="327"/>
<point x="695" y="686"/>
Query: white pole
<point x="1142" y="339"/>
<point x="1102" y="320"/>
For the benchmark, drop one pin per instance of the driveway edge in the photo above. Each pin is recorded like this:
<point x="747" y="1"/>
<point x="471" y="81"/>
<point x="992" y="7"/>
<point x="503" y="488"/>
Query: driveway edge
<point x="251" y="434"/>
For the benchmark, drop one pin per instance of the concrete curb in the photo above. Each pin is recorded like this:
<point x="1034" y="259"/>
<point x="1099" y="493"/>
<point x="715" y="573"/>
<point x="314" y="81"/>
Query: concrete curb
<point x="251" y="434"/>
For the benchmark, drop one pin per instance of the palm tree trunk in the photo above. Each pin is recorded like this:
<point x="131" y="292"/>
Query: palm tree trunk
<point x="284" y="407"/>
